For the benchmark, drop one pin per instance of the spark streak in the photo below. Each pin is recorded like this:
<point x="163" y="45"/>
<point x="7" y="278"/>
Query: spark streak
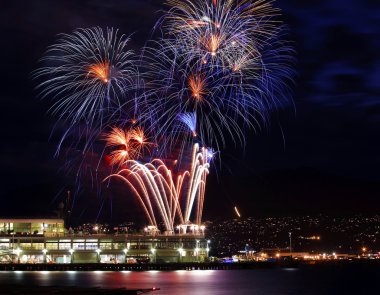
<point x="164" y="198"/>
<point x="190" y="120"/>
<point x="237" y="212"/>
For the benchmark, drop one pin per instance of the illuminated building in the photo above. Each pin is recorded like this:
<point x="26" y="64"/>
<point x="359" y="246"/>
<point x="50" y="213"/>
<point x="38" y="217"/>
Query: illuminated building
<point x="47" y="241"/>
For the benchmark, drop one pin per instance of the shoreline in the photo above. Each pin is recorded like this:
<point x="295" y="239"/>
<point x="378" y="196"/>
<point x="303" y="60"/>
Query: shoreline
<point x="31" y="289"/>
<point x="185" y="266"/>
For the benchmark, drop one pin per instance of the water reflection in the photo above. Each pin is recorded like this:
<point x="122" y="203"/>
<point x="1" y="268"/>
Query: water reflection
<point x="210" y="282"/>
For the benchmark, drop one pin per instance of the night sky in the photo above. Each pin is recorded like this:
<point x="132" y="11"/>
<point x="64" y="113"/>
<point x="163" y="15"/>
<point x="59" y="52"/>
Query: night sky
<point x="320" y="155"/>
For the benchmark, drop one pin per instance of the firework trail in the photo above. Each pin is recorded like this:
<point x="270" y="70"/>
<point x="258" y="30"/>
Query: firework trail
<point x="164" y="197"/>
<point x="237" y="212"/>
<point x="190" y="120"/>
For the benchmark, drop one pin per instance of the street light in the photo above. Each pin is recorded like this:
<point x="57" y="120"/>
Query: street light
<point x="18" y="252"/>
<point x="197" y="253"/>
<point x="180" y="250"/>
<point x="208" y="247"/>
<point x="125" y="250"/>
<point x="13" y="241"/>
<point x="44" y="251"/>
<point x="71" y="255"/>
<point x="98" y="251"/>
<point x="154" y="254"/>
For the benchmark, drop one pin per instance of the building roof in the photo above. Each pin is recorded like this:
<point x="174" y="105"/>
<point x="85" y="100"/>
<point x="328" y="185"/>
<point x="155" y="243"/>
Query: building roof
<point x="31" y="219"/>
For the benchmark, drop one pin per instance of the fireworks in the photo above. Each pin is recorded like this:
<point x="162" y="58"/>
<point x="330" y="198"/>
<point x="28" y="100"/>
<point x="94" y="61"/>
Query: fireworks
<point x="220" y="68"/>
<point x="190" y="120"/>
<point x="100" y="71"/>
<point x="127" y="144"/>
<point x="87" y="73"/>
<point x="197" y="87"/>
<point x="210" y="32"/>
<point x="222" y="60"/>
<point x="237" y="212"/>
<point x="164" y="198"/>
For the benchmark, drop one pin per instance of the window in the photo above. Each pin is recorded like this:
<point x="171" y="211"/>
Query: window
<point x="38" y="246"/>
<point x="64" y="246"/>
<point x="4" y="246"/>
<point x="105" y="246"/>
<point x="120" y="246"/>
<point x="91" y="246"/>
<point x="78" y="245"/>
<point x="25" y="246"/>
<point x="52" y="245"/>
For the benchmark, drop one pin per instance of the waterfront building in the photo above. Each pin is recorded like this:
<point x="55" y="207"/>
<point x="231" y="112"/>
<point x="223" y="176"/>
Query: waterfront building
<point x="47" y="241"/>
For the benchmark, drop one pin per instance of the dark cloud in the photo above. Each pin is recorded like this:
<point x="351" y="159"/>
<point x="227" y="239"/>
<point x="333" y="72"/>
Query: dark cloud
<point x="338" y="49"/>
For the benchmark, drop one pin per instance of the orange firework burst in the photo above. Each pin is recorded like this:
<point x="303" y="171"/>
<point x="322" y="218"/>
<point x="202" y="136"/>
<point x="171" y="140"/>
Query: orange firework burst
<point x="138" y="135"/>
<point x="120" y="139"/>
<point x="197" y="85"/>
<point x="117" y="137"/>
<point x="138" y="140"/>
<point x="213" y="43"/>
<point x="128" y="144"/>
<point x="85" y="73"/>
<point x="100" y="71"/>
<point x="119" y="156"/>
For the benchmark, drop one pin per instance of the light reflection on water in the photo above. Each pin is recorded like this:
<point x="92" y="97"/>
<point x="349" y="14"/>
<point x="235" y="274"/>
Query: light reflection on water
<point x="211" y="282"/>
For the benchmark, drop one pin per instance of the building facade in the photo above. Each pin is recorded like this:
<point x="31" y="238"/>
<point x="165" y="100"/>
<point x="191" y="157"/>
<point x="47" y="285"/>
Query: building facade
<point x="46" y="241"/>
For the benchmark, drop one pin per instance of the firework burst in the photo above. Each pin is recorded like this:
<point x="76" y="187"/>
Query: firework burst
<point x="197" y="86"/>
<point x="87" y="74"/>
<point x="224" y="61"/>
<point x="126" y="144"/>
<point x="209" y="31"/>
<point x="220" y="68"/>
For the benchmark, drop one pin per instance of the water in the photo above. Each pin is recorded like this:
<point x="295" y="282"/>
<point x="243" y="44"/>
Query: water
<point x="304" y="280"/>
